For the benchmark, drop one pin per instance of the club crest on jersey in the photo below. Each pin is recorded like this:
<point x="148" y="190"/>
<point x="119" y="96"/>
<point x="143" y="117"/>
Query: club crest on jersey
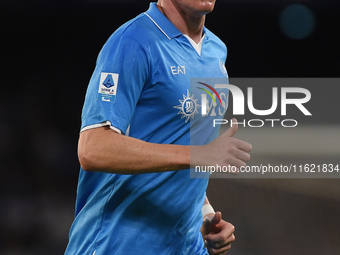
<point x="188" y="106"/>
<point x="108" y="84"/>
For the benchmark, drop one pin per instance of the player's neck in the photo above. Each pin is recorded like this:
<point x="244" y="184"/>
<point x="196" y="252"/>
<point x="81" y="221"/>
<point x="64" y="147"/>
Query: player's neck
<point x="187" y="23"/>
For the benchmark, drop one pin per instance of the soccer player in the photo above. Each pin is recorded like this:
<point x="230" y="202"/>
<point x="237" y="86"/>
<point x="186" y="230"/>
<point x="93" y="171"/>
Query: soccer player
<point x="135" y="194"/>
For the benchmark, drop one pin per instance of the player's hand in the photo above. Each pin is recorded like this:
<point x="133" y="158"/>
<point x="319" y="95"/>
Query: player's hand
<point x="225" y="150"/>
<point x="218" y="234"/>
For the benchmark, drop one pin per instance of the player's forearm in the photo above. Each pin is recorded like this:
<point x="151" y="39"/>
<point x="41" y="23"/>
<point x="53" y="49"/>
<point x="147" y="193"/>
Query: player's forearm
<point x="103" y="150"/>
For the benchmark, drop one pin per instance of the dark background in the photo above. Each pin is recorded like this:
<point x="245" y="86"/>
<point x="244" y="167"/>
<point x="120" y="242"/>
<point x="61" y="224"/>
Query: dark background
<point x="48" y="52"/>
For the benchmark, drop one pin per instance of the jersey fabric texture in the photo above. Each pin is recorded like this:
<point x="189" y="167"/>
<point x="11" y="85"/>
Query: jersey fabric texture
<point x="141" y="81"/>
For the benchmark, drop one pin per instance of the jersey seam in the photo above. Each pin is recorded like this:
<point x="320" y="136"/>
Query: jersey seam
<point x="146" y="51"/>
<point x="100" y="222"/>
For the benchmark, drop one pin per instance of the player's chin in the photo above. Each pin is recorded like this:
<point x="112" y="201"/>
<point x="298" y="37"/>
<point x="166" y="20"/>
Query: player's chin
<point x="207" y="7"/>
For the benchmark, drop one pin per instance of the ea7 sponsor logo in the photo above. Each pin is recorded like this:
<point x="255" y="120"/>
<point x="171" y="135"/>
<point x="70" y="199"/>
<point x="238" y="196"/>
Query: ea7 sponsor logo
<point x="175" y="70"/>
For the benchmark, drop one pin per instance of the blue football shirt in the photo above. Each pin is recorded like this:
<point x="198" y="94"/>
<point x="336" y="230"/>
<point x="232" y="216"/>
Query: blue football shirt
<point x="141" y="86"/>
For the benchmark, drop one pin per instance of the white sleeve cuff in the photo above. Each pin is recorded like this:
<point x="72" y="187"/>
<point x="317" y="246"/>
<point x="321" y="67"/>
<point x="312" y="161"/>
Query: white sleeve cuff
<point x="207" y="209"/>
<point x="103" y="124"/>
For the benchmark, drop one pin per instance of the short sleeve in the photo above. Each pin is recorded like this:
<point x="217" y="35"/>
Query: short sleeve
<point x="119" y="77"/>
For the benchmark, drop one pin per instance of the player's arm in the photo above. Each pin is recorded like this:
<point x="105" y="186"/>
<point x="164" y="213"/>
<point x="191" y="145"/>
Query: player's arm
<point x="104" y="150"/>
<point x="217" y="233"/>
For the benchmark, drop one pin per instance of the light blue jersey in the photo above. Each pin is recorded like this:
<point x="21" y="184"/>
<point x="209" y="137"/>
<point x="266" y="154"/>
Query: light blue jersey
<point x="142" y="81"/>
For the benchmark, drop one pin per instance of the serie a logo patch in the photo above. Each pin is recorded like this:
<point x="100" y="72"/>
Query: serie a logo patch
<point x="108" y="84"/>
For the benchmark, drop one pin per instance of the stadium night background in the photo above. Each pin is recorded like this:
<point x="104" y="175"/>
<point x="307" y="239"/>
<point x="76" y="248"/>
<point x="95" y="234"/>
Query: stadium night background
<point x="48" y="53"/>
